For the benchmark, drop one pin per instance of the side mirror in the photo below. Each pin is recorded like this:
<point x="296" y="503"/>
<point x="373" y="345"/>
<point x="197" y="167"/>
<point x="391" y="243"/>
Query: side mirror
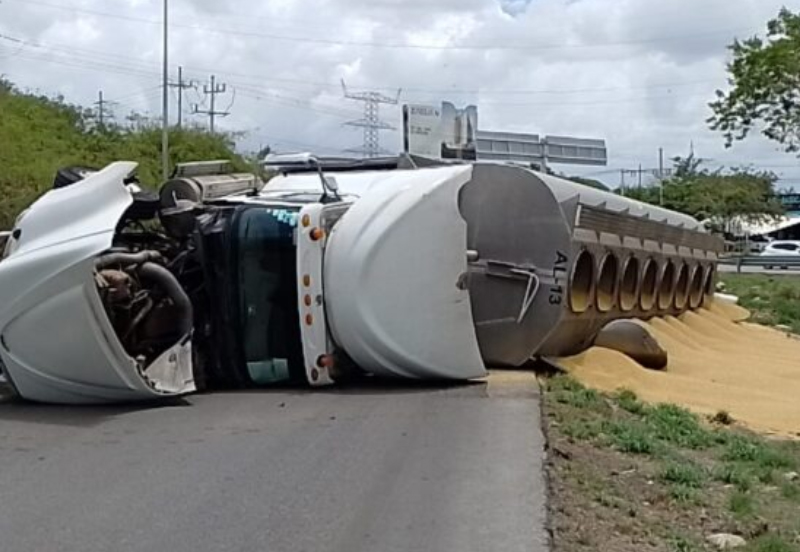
<point x="331" y="184"/>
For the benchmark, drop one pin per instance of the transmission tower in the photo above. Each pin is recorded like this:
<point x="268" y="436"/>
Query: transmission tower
<point x="371" y="123"/>
<point x="103" y="112"/>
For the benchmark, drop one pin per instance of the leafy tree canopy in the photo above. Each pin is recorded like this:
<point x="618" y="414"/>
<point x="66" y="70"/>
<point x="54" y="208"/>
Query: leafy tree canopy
<point x="39" y="135"/>
<point x="764" y="75"/>
<point x="719" y="197"/>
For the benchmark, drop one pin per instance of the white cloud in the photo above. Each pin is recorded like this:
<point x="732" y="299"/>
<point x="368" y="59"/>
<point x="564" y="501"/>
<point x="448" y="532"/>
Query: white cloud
<point x="638" y="73"/>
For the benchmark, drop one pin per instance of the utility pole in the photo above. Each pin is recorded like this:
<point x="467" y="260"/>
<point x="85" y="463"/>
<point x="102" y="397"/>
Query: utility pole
<point x="165" y="99"/>
<point x="181" y="86"/>
<point x="371" y="122"/>
<point x="661" y="176"/>
<point x="213" y="91"/>
<point x="102" y="106"/>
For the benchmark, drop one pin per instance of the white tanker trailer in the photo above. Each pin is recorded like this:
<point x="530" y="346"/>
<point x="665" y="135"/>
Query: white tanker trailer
<point x="330" y="270"/>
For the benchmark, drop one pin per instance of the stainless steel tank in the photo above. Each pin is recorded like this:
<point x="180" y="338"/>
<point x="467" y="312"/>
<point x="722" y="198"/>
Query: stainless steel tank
<point x="552" y="261"/>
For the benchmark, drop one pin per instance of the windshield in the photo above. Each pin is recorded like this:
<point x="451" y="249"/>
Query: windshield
<point x="269" y="319"/>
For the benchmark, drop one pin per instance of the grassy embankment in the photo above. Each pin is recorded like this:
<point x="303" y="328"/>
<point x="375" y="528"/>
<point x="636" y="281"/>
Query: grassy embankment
<point x="627" y="476"/>
<point x="773" y="300"/>
<point x="39" y="135"/>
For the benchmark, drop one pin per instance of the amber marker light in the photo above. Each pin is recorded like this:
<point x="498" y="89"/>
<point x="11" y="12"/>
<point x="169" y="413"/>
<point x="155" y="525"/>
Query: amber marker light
<point x="306" y="221"/>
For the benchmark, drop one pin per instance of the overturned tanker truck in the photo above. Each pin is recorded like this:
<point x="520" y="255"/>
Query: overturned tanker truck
<point x="398" y="267"/>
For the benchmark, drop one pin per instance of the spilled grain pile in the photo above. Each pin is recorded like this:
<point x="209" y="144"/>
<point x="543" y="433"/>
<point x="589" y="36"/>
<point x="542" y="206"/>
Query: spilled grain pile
<point x="717" y="362"/>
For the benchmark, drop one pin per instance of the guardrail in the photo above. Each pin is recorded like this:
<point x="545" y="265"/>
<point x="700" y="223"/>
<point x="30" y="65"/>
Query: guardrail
<point x="762" y="261"/>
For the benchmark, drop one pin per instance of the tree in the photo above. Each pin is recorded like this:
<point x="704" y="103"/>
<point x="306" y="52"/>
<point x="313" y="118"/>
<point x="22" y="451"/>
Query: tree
<point x="765" y="86"/>
<point x="39" y="135"/>
<point x="721" y="198"/>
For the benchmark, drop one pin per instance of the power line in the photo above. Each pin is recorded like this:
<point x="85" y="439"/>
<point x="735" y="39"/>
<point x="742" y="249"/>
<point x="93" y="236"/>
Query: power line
<point x="316" y="40"/>
<point x="105" y="58"/>
<point x="297" y="103"/>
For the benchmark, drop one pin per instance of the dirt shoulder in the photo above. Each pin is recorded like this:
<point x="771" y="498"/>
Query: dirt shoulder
<point x="627" y="476"/>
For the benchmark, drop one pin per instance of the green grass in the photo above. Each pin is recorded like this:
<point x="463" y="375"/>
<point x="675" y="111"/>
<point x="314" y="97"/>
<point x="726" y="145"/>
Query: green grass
<point x="39" y="135"/>
<point x="773" y="300"/>
<point x="632" y="437"/>
<point x="684" y="495"/>
<point x="700" y="467"/>
<point x="791" y="491"/>
<point x="757" y="452"/>
<point x="741" y="504"/>
<point x="570" y="392"/>
<point x="678" y="426"/>
<point x="770" y="543"/>
<point x="629" y="402"/>
<point x="682" y="543"/>
<point x="582" y="430"/>
<point x="684" y="473"/>
<point x="733" y="474"/>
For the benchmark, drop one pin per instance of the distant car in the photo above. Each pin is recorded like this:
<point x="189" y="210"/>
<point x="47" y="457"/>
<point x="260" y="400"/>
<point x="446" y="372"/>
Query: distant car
<point x="781" y="249"/>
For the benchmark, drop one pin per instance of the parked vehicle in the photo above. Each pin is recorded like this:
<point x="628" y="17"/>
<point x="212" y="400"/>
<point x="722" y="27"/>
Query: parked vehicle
<point x="329" y="271"/>
<point x="781" y="248"/>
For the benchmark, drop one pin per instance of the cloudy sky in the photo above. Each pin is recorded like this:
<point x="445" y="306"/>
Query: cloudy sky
<point x="637" y="73"/>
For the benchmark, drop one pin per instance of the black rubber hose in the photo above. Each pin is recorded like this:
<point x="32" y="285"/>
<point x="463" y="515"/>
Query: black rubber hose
<point x="157" y="274"/>
<point x="126" y="258"/>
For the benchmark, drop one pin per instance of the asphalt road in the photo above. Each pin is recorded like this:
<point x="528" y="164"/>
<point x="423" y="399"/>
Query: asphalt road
<point x="453" y="469"/>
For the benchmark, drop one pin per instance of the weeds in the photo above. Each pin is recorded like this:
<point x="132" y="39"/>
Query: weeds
<point x="712" y="474"/>
<point x="773" y="300"/>
<point x="683" y="495"/>
<point x="790" y="491"/>
<point x="686" y="474"/>
<point x="570" y="392"/>
<point x="771" y="543"/>
<point x="629" y="402"/>
<point x="732" y="474"/>
<point x="581" y="430"/>
<point x="746" y="449"/>
<point x="741" y="504"/>
<point x="630" y="437"/>
<point x="682" y="543"/>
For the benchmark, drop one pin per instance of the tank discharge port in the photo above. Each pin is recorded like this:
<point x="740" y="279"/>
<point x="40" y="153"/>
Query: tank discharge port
<point x="582" y="283"/>
<point x="682" y="287"/>
<point x="696" y="288"/>
<point x="666" y="288"/>
<point x="649" y="287"/>
<point x="630" y="284"/>
<point x="607" y="283"/>
<point x="709" y="285"/>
